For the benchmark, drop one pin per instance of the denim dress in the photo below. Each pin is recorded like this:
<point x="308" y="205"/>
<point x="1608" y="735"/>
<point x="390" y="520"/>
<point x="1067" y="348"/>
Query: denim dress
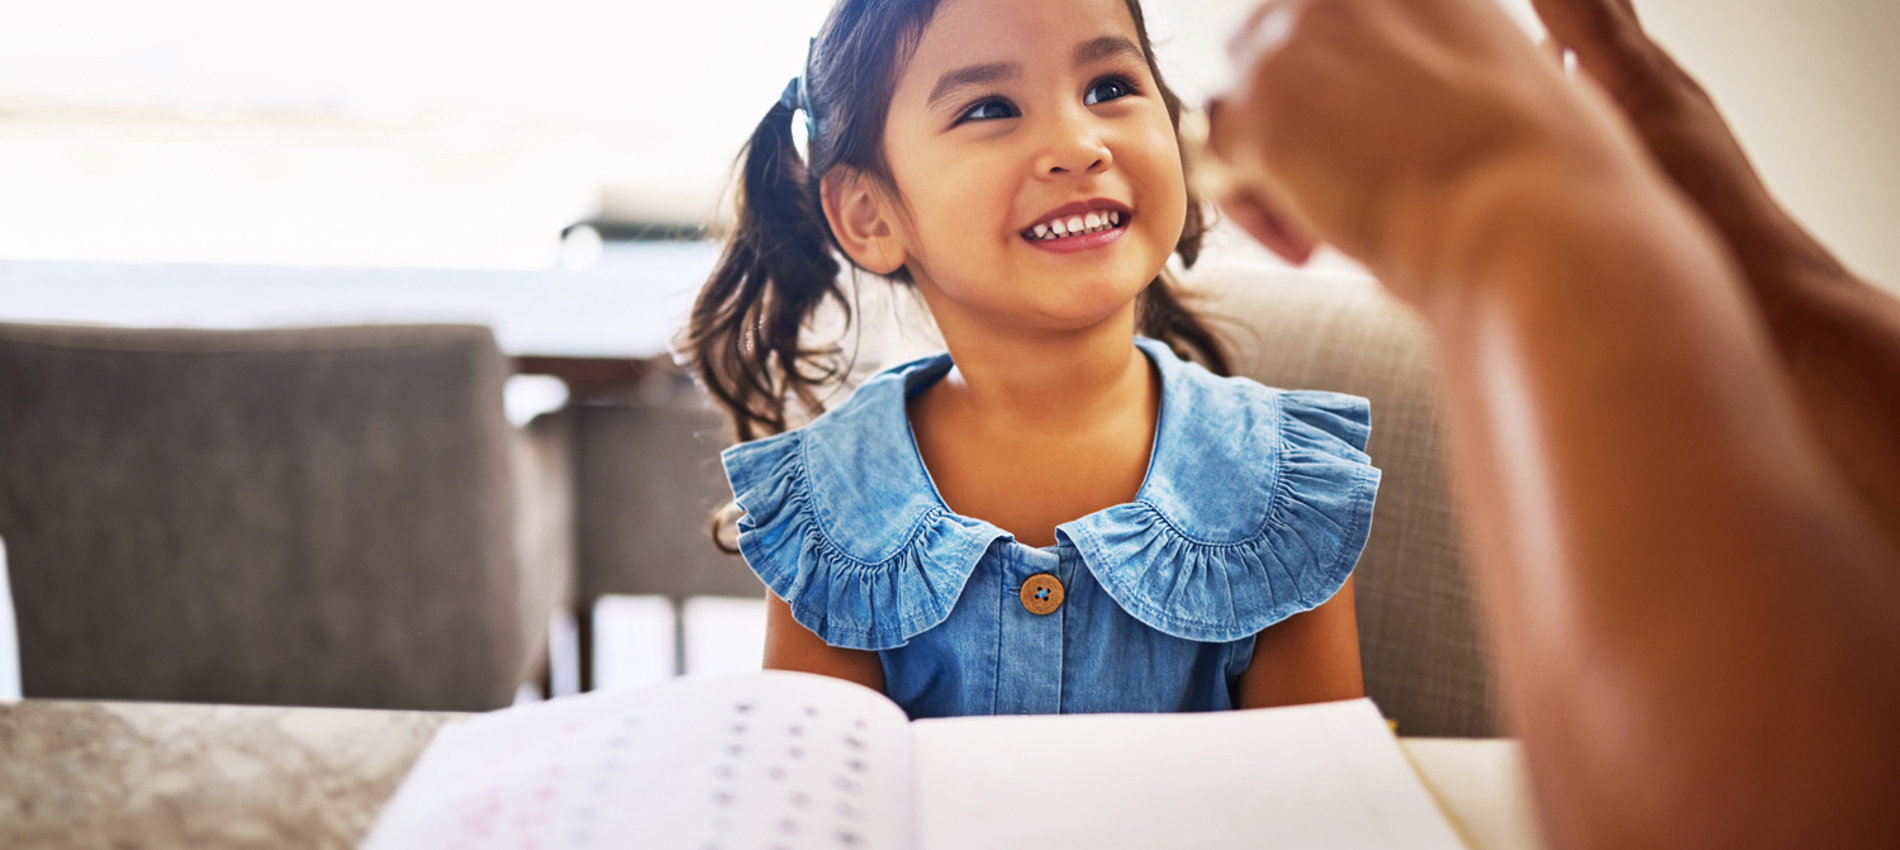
<point x="1255" y="507"/>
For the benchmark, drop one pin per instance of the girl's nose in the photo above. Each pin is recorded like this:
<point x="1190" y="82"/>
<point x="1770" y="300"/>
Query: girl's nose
<point x="1073" y="146"/>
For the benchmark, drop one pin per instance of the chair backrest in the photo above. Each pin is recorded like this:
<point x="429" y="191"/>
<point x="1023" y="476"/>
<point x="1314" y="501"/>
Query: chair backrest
<point x="312" y="516"/>
<point x="1420" y="636"/>
<point x="650" y="480"/>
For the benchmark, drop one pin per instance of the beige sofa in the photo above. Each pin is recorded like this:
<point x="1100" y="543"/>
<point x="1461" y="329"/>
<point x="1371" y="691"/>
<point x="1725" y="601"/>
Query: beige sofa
<point x="1425" y="659"/>
<point x="1420" y="636"/>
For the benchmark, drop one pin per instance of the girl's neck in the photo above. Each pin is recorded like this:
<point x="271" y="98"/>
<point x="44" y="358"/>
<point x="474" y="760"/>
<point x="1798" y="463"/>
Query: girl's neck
<point x="1034" y="429"/>
<point x="1047" y="381"/>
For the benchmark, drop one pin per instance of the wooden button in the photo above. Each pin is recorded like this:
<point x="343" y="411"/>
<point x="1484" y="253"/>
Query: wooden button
<point x="1042" y="594"/>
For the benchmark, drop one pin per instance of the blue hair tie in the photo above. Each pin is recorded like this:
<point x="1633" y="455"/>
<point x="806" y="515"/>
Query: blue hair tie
<point x="793" y="97"/>
<point x="804" y="87"/>
<point x="797" y="94"/>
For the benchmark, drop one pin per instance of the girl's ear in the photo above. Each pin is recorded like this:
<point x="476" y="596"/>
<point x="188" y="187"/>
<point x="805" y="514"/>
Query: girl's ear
<point x="861" y="217"/>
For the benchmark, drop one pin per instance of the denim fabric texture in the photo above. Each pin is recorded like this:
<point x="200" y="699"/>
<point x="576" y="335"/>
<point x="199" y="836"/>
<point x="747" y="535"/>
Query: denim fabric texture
<point x="1255" y="507"/>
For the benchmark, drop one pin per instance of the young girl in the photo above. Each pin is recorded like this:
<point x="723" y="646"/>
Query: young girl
<point x="1058" y="515"/>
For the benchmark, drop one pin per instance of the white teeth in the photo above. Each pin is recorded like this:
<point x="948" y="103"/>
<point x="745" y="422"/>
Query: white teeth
<point x="1075" y="225"/>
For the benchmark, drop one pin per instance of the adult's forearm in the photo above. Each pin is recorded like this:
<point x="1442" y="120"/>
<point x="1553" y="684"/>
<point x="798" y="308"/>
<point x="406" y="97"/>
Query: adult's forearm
<point x="1837" y="335"/>
<point x="1694" y="611"/>
<point x="1693" y="614"/>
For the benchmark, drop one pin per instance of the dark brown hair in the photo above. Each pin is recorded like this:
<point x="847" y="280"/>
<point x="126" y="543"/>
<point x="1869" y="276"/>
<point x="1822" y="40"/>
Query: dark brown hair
<point x="781" y="260"/>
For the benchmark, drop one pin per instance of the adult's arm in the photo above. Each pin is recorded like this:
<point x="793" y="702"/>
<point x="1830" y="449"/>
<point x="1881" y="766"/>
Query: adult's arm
<point x="1698" y="624"/>
<point x="1837" y="336"/>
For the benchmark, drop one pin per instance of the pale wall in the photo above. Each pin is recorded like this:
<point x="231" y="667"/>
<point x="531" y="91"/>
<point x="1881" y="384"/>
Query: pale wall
<point x="1812" y="87"/>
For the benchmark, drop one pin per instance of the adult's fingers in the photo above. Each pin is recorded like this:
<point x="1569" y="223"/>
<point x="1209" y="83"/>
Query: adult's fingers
<point x="1553" y="49"/>
<point x="1356" y="120"/>
<point x="1282" y="132"/>
<point x="1263" y="220"/>
<point x="1245" y="191"/>
<point x="1605" y="35"/>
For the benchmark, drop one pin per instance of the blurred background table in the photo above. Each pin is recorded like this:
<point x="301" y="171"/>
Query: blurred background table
<point x="628" y="305"/>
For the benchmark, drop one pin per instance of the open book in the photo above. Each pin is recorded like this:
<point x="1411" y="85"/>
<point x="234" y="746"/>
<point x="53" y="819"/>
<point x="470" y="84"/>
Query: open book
<point x="787" y="760"/>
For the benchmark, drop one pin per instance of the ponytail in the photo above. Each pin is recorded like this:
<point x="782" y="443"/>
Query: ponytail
<point x="777" y="270"/>
<point x="1165" y="315"/>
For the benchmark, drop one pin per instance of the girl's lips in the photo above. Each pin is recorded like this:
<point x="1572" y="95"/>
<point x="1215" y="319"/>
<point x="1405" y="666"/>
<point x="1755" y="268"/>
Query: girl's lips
<point x="1081" y="241"/>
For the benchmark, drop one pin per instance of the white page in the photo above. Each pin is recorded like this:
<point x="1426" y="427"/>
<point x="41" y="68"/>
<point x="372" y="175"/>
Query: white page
<point x="1309" y="777"/>
<point x="779" y="760"/>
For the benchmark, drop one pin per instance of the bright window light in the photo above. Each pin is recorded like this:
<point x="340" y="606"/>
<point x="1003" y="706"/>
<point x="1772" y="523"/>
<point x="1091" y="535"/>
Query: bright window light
<point x="400" y="133"/>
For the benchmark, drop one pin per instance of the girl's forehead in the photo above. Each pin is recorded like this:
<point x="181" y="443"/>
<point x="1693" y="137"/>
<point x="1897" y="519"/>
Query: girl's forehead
<point x="966" y="33"/>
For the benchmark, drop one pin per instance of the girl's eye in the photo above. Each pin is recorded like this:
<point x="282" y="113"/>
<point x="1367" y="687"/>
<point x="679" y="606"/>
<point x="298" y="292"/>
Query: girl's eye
<point x="988" y="110"/>
<point x="1107" y="89"/>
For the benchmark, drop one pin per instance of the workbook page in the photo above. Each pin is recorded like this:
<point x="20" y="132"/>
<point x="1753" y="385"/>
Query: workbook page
<point x="1311" y="777"/>
<point x="774" y="760"/>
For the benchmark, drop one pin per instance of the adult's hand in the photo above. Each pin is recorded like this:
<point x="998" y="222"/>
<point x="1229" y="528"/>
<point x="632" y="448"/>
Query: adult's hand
<point x="1697" y="624"/>
<point x="1386" y="126"/>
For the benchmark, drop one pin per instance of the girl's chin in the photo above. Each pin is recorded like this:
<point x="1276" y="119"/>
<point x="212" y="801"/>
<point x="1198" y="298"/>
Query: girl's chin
<point x="1051" y="292"/>
<point x="1085" y="305"/>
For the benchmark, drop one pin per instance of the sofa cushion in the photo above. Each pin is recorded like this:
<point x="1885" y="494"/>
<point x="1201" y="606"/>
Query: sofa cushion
<point x="1425" y="658"/>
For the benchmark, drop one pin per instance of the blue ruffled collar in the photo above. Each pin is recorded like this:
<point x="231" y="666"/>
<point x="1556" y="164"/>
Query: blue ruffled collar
<point x="1255" y="507"/>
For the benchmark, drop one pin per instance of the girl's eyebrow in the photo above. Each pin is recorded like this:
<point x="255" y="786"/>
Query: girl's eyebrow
<point x="1106" y="47"/>
<point x="970" y="77"/>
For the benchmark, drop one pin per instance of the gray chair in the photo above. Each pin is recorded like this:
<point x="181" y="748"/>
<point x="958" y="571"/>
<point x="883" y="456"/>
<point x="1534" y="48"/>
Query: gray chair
<point x="1420" y="637"/>
<point x="333" y="516"/>
<point x="649" y="477"/>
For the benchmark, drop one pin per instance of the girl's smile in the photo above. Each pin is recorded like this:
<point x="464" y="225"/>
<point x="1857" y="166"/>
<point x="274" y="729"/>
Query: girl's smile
<point x="1080" y="226"/>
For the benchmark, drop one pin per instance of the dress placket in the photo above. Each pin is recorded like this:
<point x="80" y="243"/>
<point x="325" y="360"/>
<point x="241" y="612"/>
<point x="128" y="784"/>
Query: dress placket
<point x="1029" y="659"/>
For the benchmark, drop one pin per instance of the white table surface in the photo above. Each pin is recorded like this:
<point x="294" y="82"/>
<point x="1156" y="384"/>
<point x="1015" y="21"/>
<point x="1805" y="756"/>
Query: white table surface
<point x="1481" y="787"/>
<point x="160" y="775"/>
<point x="630" y="305"/>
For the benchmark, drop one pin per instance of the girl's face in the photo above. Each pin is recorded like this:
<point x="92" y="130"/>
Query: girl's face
<point x="1041" y="181"/>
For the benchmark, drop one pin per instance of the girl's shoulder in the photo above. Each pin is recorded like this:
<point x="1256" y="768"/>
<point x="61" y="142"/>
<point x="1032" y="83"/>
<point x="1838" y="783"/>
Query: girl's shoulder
<point x="1255" y="507"/>
<point x="1257" y="504"/>
<point x="841" y="521"/>
<point x="856" y="468"/>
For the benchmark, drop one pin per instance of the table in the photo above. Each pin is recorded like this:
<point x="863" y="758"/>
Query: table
<point x="628" y="307"/>
<point x="157" y="775"/>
